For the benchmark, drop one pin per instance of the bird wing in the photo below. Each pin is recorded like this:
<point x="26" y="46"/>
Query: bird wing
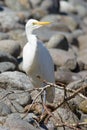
<point x="46" y="70"/>
<point x="46" y="63"/>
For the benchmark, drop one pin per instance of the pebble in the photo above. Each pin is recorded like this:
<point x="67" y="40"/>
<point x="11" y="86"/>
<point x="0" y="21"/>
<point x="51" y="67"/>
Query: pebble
<point x="83" y="106"/>
<point x="67" y="7"/>
<point x="14" y="122"/>
<point x="4" y="128"/>
<point x="8" y="20"/>
<point x="63" y="58"/>
<point x="19" y="4"/>
<point x="58" y="41"/>
<point x="7" y="66"/>
<point x="20" y="97"/>
<point x="68" y="21"/>
<point x="10" y="46"/>
<point x="18" y="35"/>
<point x="66" y="76"/>
<point x="16" y="80"/>
<point x="4" y="109"/>
<point x="5" y="57"/>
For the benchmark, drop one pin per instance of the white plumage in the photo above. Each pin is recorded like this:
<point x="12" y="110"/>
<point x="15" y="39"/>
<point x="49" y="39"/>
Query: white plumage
<point x="37" y="60"/>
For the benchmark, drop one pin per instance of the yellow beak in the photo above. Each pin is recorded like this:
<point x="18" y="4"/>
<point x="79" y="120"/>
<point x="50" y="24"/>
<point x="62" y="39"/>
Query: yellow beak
<point x="42" y="23"/>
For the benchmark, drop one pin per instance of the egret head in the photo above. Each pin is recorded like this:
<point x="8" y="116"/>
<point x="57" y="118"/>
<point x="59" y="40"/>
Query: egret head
<point x="33" y="24"/>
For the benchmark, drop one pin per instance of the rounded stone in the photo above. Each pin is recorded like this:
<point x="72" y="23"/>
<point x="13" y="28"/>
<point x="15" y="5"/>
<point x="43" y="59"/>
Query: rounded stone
<point x="10" y="46"/>
<point x="83" y="106"/>
<point x="7" y="66"/>
<point x="58" y="41"/>
<point x="4" y="109"/>
<point x="17" y="80"/>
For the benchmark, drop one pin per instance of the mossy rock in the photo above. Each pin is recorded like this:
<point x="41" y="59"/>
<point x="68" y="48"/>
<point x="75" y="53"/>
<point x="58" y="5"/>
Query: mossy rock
<point x="83" y="106"/>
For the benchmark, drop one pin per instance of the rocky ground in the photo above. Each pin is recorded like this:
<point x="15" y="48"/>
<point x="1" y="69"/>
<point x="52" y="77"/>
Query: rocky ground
<point x="66" y="40"/>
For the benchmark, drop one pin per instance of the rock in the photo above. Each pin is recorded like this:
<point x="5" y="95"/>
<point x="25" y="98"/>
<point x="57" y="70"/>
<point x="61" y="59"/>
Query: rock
<point x="3" y="36"/>
<point x="52" y="6"/>
<point x="58" y="41"/>
<point x="9" y="20"/>
<point x="80" y="66"/>
<point x="77" y="84"/>
<point x="30" y="117"/>
<point x="35" y="3"/>
<point x="19" y="4"/>
<point x="16" y="80"/>
<point x="67" y="116"/>
<point x="66" y="76"/>
<point x="18" y="35"/>
<point x="60" y="20"/>
<point x="4" y="128"/>
<point x="83" y="73"/>
<point x="83" y="51"/>
<point x="16" y="107"/>
<point x="81" y="10"/>
<point x="20" y="97"/>
<point x="50" y="125"/>
<point x="5" y="57"/>
<point x="14" y="122"/>
<point x="59" y="95"/>
<point x="4" y="109"/>
<point x="10" y="46"/>
<point x="57" y="23"/>
<point x="83" y="58"/>
<point x="82" y="40"/>
<point x="63" y="58"/>
<point x="83" y="106"/>
<point x="12" y="103"/>
<point x="44" y="34"/>
<point x="7" y="66"/>
<point x="67" y="7"/>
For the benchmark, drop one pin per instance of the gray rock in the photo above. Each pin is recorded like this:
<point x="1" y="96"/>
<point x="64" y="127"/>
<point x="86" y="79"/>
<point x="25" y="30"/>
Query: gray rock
<point x="69" y="22"/>
<point x="3" y="36"/>
<point x="16" y="80"/>
<point x="82" y="40"/>
<point x="20" y="97"/>
<point x="8" y="20"/>
<point x="4" y="109"/>
<point x="83" y="59"/>
<point x="77" y="84"/>
<point x="35" y="3"/>
<point x="57" y="23"/>
<point x="5" y="57"/>
<point x="58" y="41"/>
<point x="7" y="66"/>
<point x="83" y="73"/>
<point x="67" y="7"/>
<point x="4" y="128"/>
<point x="19" y="4"/>
<point x="52" y="6"/>
<point x="63" y="58"/>
<point x="10" y="46"/>
<point x="67" y="116"/>
<point x="16" y="107"/>
<point x="50" y="125"/>
<point x="30" y="117"/>
<point x="18" y="35"/>
<point x="59" y="95"/>
<point x="66" y="76"/>
<point x="45" y="33"/>
<point x="14" y="122"/>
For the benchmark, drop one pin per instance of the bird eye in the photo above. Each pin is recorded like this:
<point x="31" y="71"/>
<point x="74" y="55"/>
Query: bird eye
<point x="33" y="23"/>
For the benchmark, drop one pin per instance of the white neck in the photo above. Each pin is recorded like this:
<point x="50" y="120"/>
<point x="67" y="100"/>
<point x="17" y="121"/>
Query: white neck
<point x="29" y="35"/>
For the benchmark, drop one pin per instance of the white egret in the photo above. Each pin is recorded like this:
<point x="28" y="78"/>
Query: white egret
<point x="37" y="60"/>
